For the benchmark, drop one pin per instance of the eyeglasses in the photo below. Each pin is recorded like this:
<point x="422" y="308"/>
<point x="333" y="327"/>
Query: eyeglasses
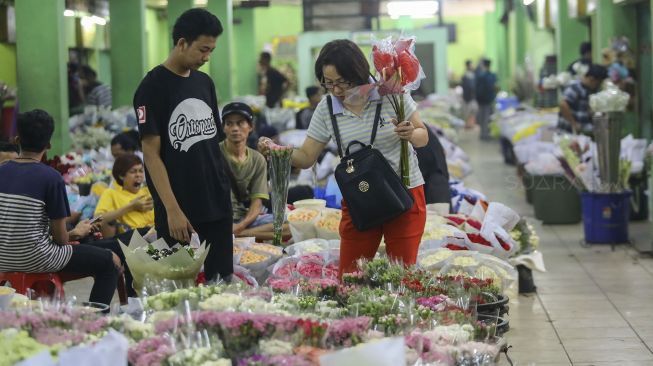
<point x="339" y="84"/>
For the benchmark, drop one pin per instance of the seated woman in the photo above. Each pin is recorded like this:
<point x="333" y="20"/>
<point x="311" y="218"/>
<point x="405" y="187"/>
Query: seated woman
<point x="33" y="212"/>
<point x="128" y="205"/>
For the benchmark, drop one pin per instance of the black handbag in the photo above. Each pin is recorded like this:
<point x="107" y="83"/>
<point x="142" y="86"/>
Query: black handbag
<point x="372" y="190"/>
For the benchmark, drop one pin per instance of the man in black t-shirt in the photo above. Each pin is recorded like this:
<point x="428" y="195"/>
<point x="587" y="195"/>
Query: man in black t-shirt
<point x="273" y="83"/>
<point x="178" y="120"/>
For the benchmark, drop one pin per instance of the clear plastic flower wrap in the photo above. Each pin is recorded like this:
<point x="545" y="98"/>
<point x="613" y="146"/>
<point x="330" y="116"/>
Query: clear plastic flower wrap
<point x="285" y="267"/>
<point x="328" y="224"/>
<point x="307" y="246"/>
<point x="302" y="223"/>
<point x="180" y="265"/>
<point x="280" y="157"/>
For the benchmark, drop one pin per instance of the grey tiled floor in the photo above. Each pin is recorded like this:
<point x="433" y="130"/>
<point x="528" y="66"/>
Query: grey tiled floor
<point x="594" y="305"/>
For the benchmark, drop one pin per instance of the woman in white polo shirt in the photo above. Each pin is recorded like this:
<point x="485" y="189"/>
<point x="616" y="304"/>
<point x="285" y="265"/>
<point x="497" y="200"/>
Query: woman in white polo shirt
<point x="341" y="66"/>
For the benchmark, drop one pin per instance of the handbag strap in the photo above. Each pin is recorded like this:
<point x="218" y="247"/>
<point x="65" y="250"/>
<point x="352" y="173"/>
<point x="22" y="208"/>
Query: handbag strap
<point x="336" y="131"/>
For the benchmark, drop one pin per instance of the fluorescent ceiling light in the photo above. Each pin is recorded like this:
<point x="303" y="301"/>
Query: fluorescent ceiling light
<point x="98" y="20"/>
<point x="413" y="9"/>
<point x="68" y="13"/>
<point x="528" y="2"/>
<point x="87" y="22"/>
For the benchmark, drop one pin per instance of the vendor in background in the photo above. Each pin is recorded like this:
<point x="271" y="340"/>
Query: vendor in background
<point x="127" y="142"/>
<point x="585" y="59"/>
<point x="341" y="66"/>
<point x="468" y="84"/>
<point x="574" y="107"/>
<point x="248" y="169"/>
<point x="33" y="212"/>
<point x="272" y="83"/>
<point x="303" y="117"/>
<point x="8" y="151"/>
<point x="128" y="205"/>
<point x="95" y="93"/>
<point x="486" y="92"/>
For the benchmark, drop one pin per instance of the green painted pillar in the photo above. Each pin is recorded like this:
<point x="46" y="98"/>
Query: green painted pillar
<point x="502" y="67"/>
<point x="128" y="49"/>
<point x="245" y="57"/>
<point x="221" y="68"/>
<point x="603" y="27"/>
<point x="175" y="9"/>
<point x="521" y="34"/>
<point x="569" y="33"/>
<point x="41" y="57"/>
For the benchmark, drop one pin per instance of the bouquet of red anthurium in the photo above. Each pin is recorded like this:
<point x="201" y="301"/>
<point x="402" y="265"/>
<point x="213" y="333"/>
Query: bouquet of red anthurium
<point x="398" y="71"/>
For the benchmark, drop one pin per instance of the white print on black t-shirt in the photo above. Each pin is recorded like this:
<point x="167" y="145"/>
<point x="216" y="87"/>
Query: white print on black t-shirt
<point x="191" y="122"/>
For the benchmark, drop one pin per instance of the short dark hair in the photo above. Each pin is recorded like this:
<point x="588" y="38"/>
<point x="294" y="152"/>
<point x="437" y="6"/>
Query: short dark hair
<point x="347" y="58"/>
<point x="6" y="146"/>
<point x="122" y="165"/>
<point x="265" y="57"/>
<point x="598" y="72"/>
<point x="88" y="71"/>
<point x="35" y="129"/>
<point x="468" y="62"/>
<point x="487" y="63"/>
<point x="311" y="91"/>
<point x="127" y="140"/>
<point x="585" y="47"/>
<point x="194" y="23"/>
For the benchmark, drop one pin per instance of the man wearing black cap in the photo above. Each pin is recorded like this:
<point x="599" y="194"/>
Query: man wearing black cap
<point x="249" y="181"/>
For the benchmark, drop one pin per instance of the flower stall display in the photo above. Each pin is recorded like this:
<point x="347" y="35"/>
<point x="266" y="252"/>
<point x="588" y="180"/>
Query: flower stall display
<point x="179" y="265"/>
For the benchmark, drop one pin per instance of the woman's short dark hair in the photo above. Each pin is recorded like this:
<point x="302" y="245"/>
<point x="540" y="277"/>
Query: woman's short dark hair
<point x="348" y="59"/>
<point x="35" y="129"/>
<point x="122" y="165"/>
<point x="194" y="23"/>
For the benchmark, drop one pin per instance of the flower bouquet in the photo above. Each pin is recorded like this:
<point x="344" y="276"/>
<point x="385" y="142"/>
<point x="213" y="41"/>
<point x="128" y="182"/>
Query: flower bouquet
<point x="180" y="265"/>
<point x="279" y="178"/>
<point x="399" y="71"/>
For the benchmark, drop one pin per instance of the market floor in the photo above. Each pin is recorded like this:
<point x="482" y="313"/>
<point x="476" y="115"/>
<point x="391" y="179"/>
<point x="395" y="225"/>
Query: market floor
<point x="594" y="305"/>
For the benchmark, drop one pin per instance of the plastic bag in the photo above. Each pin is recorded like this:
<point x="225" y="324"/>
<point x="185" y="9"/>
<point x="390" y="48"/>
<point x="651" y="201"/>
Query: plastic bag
<point x="302" y="223"/>
<point x="307" y="246"/>
<point x="328" y="224"/>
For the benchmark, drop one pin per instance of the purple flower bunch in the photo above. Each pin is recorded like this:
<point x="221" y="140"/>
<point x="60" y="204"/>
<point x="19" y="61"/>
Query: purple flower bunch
<point x="150" y="352"/>
<point x="321" y="287"/>
<point x="282" y="360"/>
<point x="50" y="327"/>
<point x="347" y="332"/>
<point x="434" y="303"/>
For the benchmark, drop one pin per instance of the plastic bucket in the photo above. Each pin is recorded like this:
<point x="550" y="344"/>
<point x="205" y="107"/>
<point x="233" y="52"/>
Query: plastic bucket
<point x="555" y="200"/>
<point x="507" y="151"/>
<point x="605" y="217"/>
<point x="638" y="201"/>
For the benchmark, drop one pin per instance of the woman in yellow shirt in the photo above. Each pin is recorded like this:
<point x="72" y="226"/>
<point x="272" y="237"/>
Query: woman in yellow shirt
<point x="128" y="205"/>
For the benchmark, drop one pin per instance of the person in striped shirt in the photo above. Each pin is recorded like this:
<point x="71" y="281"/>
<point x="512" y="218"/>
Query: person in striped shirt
<point x="95" y="93"/>
<point x="341" y="67"/>
<point x="33" y="212"/>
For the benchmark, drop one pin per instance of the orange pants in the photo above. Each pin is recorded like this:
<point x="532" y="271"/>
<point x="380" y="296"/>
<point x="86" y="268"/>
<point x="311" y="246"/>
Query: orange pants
<point x="402" y="236"/>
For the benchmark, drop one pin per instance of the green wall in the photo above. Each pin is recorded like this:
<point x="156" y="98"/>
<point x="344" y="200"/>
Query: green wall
<point x="8" y="62"/>
<point x="157" y="38"/>
<point x="276" y="21"/>
<point x="540" y="43"/>
<point x="245" y="57"/>
<point x="471" y="40"/>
